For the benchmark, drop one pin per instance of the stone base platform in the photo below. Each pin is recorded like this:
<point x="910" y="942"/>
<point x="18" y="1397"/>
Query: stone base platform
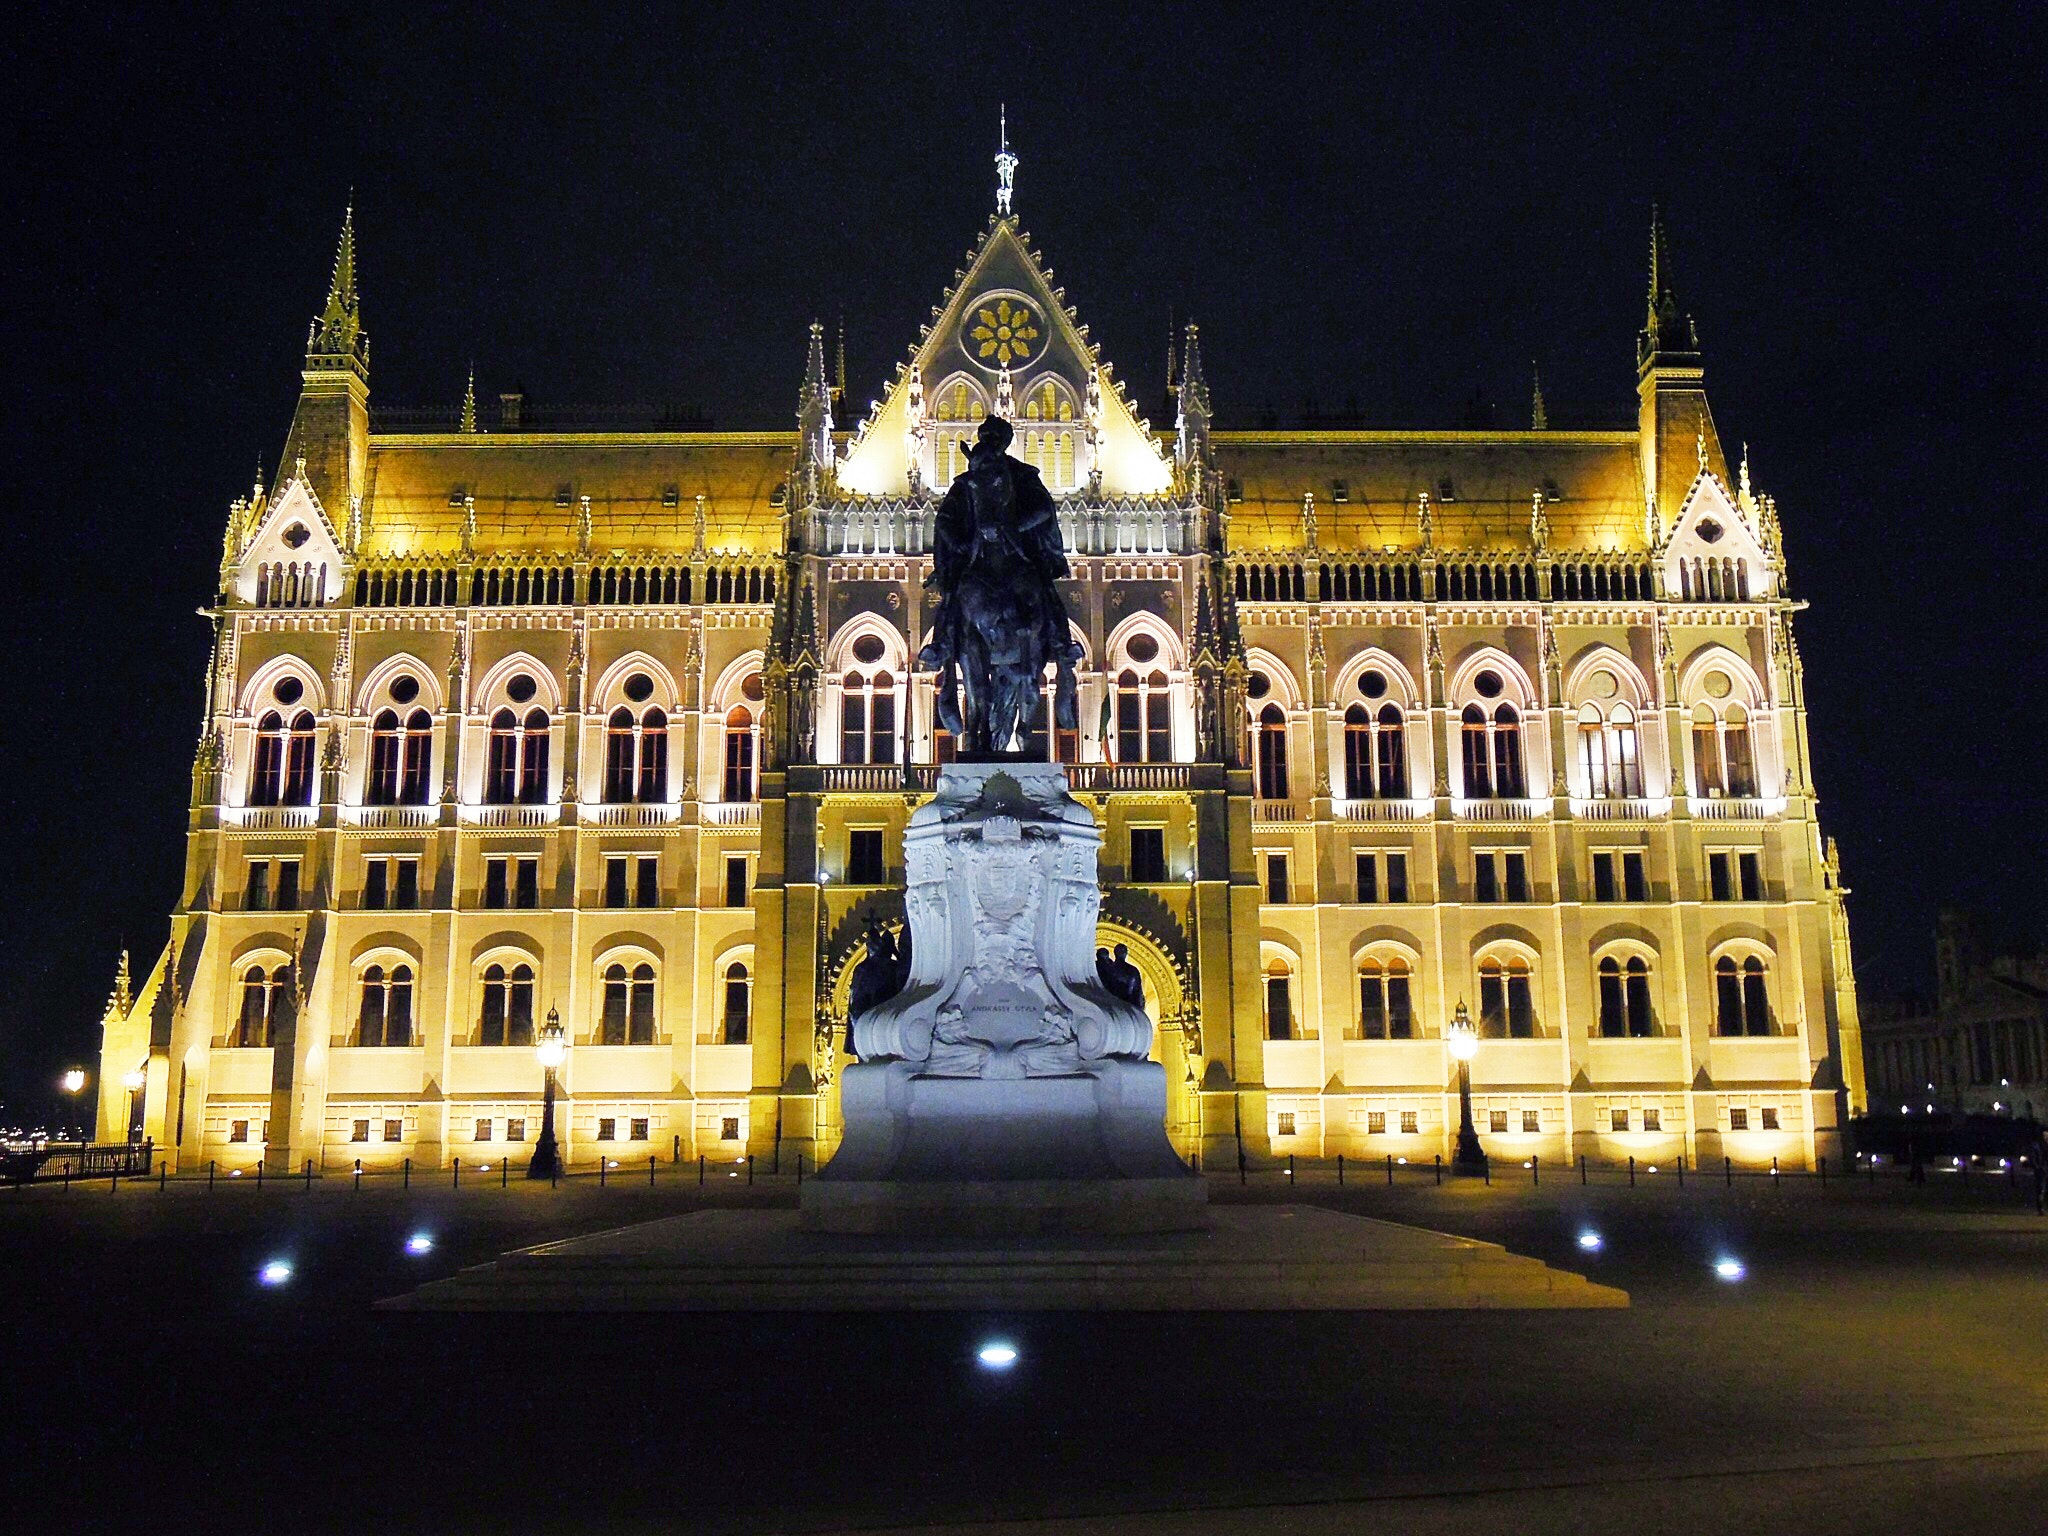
<point x="1250" y="1258"/>
<point x="1002" y="1208"/>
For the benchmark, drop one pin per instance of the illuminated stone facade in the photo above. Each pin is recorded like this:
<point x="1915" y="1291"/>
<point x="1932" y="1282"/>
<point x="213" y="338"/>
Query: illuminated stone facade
<point x="621" y="727"/>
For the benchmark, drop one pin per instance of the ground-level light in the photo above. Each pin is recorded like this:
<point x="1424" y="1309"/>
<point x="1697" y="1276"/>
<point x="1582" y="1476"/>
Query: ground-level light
<point x="419" y="1242"/>
<point x="997" y="1355"/>
<point x="1729" y="1268"/>
<point x="276" y="1272"/>
<point x="1590" y="1241"/>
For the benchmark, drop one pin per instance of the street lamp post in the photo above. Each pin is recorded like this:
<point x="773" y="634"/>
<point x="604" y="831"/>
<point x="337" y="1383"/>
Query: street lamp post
<point x="133" y="1080"/>
<point x="547" y="1157"/>
<point x="1463" y="1040"/>
<point x="73" y="1083"/>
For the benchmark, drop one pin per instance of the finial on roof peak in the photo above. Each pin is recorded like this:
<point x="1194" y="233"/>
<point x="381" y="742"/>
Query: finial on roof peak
<point x="468" y="423"/>
<point x="1539" y="414"/>
<point x="1006" y="165"/>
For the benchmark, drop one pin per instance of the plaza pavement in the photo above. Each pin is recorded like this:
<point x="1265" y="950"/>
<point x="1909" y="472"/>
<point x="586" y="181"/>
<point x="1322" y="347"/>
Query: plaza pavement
<point x="1882" y="1366"/>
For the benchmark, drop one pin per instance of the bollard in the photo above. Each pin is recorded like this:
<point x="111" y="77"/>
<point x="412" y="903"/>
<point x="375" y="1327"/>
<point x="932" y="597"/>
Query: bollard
<point x="1631" y="1170"/>
<point x="309" y="1175"/>
<point x="1535" y="1171"/>
<point x="359" y="1176"/>
<point x="799" y="1170"/>
<point x="650" y="1170"/>
<point x="504" y="1170"/>
<point x="1681" y="1170"/>
<point x="458" y="1173"/>
<point x="67" y="1173"/>
<point x="1873" y="1168"/>
<point x="1582" y="1168"/>
<point x="209" y="1175"/>
<point x="1486" y="1172"/>
<point x="1823" y="1173"/>
<point x="1728" y="1171"/>
<point x="1340" y="1170"/>
<point x="1439" y="1168"/>
<point x="408" y="1174"/>
<point x="1774" y="1171"/>
<point x="601" y="1161"/>
<point x="113" y="1181"/>
<point x="259" y="1172"/>
<point x="163" y="1174"/>
<point x="1290" y="1168"/>
<point x="750" y="1170"/>
<point x="1390" y="1170"/>
<point x="676" y="1153"/>
<point x="700" y="1169"/>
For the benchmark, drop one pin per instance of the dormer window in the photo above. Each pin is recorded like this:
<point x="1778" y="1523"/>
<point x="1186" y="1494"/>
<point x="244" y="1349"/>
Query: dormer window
<point x="1234" y="489"/>
<point x="1552" y="491"/>
<point x="1708" y="530"/>
<point x="1445" y="490"/>
<point x="671" y="496"/>
<point x="562" y="495"/>
<point x="457" y="494"/>
<point x="1340" y="490"/>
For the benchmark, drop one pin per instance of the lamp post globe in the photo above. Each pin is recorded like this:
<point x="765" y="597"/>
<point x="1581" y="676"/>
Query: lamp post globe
<point x="73" y="1083"/>
<point x="1462" y="1040"/>
<point x="551" y="1049"/>
<point x="133" y="1080"/>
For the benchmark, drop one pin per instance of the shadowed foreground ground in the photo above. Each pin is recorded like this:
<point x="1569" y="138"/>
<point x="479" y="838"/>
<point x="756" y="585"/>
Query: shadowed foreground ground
<point x="1883" y="1367"/>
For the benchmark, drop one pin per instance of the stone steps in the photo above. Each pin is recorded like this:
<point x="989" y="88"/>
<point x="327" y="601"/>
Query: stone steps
<point x="766" y="1265"/>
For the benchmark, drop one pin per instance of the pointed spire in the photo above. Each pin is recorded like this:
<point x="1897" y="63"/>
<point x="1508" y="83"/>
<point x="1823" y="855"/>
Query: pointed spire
<point x="815" y="387"/>
<point x="839" y="365"/>
<point x="814" y="421"/>
<point x="1539" y="414"/>
<point x="1666" y="328"/>
<point x="338" y="332"/>
<point x="1006" y="167"/>
<point x="1172" y="366"/>
<point x="468" y="423"/>
<point x="1742" y="490"/>
<point x="122" y="998"/>
<point x="1660" y="263"/>
<point x="1192" y="441"/>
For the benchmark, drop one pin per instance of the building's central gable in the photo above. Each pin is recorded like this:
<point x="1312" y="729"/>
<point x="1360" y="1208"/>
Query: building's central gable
<point x="1002" y="342"/>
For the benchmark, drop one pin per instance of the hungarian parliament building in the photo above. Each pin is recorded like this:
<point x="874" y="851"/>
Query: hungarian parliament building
<point x="510" y="727"/>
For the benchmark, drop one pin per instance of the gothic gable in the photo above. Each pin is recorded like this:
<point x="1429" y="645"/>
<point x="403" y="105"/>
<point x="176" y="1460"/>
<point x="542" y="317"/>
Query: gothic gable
<point x="1003" y="340"/>
<point x="1713" y="551"/>
<point x="293" y="559"/>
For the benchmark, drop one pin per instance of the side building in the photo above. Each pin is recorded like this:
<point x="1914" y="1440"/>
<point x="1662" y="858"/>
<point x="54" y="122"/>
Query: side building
<point x="622" y="730"/>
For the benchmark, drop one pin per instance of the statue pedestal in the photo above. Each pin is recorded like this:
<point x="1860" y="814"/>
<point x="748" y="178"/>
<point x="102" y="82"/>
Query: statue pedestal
<point x="1004" y="1089"/>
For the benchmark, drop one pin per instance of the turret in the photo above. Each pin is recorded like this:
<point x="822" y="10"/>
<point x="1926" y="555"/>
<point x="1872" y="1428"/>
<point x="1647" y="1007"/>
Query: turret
<point x="331" y="428"/>
<point x="1673" y="418"/>
<point x="814" y="422"/>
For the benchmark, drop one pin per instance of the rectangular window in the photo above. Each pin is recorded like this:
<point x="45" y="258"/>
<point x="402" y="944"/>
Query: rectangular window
<point x="1532" y="1121"/>
<point x="1518" y="876"/>
<point x="483" y="1131"/>
<point x="641" y="1128"/>
<point x="1497" y="1120"/>
<point x="238" y="1130"/>
<point x="1485" y="878"/>
<point x="647" y="881"/>
<point x="394" y="1130"/>
<point x="360" y="1131"/>
<point x="614" y="881"/>
<point x="496" y="877"/>
<point x="735" y="879"/>
<point x="729" y="1128"/>
<point x="1276" y="879"/>
<point x="406" y="894"/>
<point x="376" y="885"/>
<point x="1653" y="1119"/>
<point x="1397" y="877"/>
<point x="287" y="884"/>
<point x="1770" y="1117"/>
<point x="1368" y="878"/>
<point x="256" y="894"/>
<point x="1286" y="1118"/>
<point x="527" y="892"/>
<point x="1148" y="855"/>
<point x="1603" y="877"/>
<point x="1635" y="883"/>
<point x="1751" y="866"/>
<point x="515" y="1129"/>
<point x="1720" y="877"/>
<point x="864" y="856"/>
<point x="607" y="1128"/>
<point x="1376" y="1122"/>
<point x="1738" y="1119"/>
<point x="1617" y="1119"/>
<point x="1408" y="1122"/>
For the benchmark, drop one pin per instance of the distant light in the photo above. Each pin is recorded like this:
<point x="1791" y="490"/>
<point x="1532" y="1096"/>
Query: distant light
<point x="73" y="1080"/>
<point x="1930" y="1109"/>
<point x="1774" y="1170"/>
<point x="997" y="1355"/>
<point x="1729" y="1268"/>
<point x="2004" y="1162"/>
<point x="483" y="1168"/>
<point x="1532" y="1165"/>
<point x="732" y="1175"/>
<point x="1402" y="1160"/>
<point x="276" y="1272"/>
<point x="1591" y="1241"/>
<point x="234" y="1173"/>
<point x="1653" y="1168"/>
<point x="419" y="1242"/>
<point x="1905" y="1109"/>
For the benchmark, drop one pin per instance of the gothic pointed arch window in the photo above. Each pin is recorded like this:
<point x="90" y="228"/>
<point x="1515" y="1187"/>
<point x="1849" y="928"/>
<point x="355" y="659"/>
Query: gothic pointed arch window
<point x="737" y="1009"/>
<point x="1385" y="1006"/>
<point x="1742" y="999"/>
<point x="266" y="774"/>
<point x="384" y="1011"/>
<point x="501" y="770"/>
<point x="628" y="1017"/>
<point x="533" y="758"/>
<point x="1723" y="751"/>
<point x="636" y="756"/>
<point x="1610" y="763"/>
<point x="1492" y="751"/>
<point x="868" y="712"/>
<point x="505" y="1016"/>
<point x="298" y="762"/>
<point x="1143" y="712"/>
<point x="740" y="732"/>
<point x="416" y="762"/>
<point x="1269" y="738"/>
<point x="1478" y="753"/>
<point x="1507" y="1004"/>
<point x="266" y="1006"/>
<point x="1735" y="746"/>
<point x="1625" y="1009"/>
<point x="1375" y="753"/>
<point x="387" y="752"/>
<point x="1507" y="752"/>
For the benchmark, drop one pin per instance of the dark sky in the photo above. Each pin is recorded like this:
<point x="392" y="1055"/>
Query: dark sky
<point x="1396" y="205"/>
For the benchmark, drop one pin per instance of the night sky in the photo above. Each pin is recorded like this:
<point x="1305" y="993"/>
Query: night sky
<point x="1397" y="207"/>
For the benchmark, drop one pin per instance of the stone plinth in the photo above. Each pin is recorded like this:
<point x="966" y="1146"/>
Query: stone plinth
<point x="1004" y="1089"/>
